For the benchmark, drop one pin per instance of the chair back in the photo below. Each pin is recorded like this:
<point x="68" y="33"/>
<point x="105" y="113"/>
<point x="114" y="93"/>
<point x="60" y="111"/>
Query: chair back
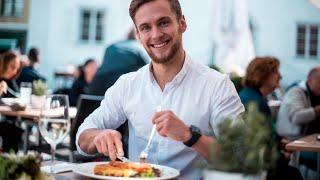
<point x="86" y="105"/>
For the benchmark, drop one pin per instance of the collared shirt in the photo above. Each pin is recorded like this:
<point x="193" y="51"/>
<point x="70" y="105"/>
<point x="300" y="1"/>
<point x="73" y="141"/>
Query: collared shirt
<point x="198" y="95"/>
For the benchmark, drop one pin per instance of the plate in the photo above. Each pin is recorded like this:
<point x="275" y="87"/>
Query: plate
<point x="9" y="101"/>
<point x="86" y="169"/>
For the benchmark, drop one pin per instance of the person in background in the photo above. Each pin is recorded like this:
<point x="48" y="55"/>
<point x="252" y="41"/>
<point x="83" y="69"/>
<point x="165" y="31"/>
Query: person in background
<point x="30" y="73"/>
<point x="299" y="115"/>
<point x="80" y="85"/>
<point x="119" y="58"/>
<point x="261" y="79"/>
<point x="9" y="69"/>
<point x="184" y="99"/>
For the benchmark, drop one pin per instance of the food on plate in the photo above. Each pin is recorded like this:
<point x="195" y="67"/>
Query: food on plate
<point x="126" y="169"/>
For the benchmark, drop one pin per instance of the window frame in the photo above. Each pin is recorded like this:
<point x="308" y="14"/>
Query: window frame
<point x="307" y="41"/>
<point x="92" y="27"/>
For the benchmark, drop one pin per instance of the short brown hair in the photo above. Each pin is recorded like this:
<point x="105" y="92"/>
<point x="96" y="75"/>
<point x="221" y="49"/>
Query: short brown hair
<point x="259" y="69"/>
<point x="5" y="59"/>
<point x="136" y="4"/>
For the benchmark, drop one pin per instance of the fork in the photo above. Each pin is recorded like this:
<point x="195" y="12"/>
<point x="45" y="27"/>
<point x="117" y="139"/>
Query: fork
<point x="144" y="153"/>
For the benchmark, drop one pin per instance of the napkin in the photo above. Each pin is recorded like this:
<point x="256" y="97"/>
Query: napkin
<point x="59" y="167"/>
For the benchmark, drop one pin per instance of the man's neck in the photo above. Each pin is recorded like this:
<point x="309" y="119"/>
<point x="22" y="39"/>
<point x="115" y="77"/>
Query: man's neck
<point x="164" y="73"/>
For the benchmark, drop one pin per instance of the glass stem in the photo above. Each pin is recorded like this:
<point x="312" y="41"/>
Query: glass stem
<point x="53" y="152"/>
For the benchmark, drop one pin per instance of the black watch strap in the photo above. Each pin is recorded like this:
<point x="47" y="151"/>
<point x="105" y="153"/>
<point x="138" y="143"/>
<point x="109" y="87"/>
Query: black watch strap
<point x="195" y="135"/>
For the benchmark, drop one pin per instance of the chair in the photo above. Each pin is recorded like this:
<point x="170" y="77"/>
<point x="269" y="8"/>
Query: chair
<point x="85" y="106"/>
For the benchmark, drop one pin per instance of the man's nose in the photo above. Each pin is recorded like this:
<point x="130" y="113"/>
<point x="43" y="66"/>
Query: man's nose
<point x="156" y="33"/>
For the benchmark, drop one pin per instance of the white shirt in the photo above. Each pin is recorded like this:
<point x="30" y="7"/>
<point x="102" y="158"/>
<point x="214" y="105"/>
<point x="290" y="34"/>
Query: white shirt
<point x="198" y="95"/>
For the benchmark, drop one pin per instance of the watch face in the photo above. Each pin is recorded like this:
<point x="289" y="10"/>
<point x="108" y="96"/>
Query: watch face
<point x="195" y="129"/>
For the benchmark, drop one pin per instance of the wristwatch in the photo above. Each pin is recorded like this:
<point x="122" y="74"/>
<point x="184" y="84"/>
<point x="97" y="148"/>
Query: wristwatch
<point x="195" y="135"/>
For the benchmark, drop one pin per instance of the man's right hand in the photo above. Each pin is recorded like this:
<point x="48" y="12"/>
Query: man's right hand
<point x="108" y="142"/>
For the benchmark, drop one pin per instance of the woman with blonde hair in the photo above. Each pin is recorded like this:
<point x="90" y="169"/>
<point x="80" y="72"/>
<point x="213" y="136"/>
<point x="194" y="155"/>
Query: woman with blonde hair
<point x="9" y="70"/>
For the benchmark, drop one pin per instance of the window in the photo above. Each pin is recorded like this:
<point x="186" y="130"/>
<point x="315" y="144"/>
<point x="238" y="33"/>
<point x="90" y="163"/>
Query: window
<point x="307" y="41"/>
<point x="11" y="8"/>
<point x="92" y="25"/>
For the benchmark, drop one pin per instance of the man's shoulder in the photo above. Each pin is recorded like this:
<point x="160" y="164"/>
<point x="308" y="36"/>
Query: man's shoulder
<point x="205" y="72"/>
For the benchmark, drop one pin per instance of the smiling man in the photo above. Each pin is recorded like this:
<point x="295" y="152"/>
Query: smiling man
<point x="193" y="98"/>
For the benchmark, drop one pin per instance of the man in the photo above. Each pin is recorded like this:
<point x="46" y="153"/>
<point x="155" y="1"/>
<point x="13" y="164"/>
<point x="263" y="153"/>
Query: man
<point x="299" y="115"/>
<point x="119" y="58"/>
<point x="30" y="73"/>
<point x="193" y="98"/>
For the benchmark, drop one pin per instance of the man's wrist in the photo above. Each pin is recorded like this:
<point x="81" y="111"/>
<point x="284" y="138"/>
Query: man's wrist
<point x="187" y="134"/>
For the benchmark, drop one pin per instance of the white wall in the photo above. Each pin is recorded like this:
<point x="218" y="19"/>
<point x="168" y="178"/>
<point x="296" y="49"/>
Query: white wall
<point x="275" y="32"/>
<point x="54" y="27"/>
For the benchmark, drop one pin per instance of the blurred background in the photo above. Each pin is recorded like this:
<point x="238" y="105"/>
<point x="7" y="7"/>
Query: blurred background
<point x="223" y="33"/>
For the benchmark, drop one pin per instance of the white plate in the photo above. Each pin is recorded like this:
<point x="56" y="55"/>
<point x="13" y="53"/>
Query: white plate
<point x="9" y="101"/>
<point x="86" y="169"/>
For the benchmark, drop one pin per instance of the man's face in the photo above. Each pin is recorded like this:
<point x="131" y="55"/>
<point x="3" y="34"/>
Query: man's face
<point x="159" y="31"/>
<point x="314" y="84"/>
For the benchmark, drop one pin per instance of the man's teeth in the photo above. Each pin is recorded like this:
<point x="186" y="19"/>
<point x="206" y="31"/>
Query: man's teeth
<point x="160" y="45"/>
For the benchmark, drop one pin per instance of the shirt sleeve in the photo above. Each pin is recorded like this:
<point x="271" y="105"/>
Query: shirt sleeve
<point x="297" y="107"/>
<point x="225" y="103"/>
<point x="110" y="114"/>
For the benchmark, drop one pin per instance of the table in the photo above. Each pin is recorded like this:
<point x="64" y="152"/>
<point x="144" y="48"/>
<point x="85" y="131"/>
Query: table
<point x="31" y="115"/>
<point x="308" y="143"/>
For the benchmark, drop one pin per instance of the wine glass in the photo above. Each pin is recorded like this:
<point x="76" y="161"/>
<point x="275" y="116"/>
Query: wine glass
<point x="54" y="123"/>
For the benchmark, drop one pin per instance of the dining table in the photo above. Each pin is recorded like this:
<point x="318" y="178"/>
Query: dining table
<point x="309" y="143"/>
<point x="29" y="116"/>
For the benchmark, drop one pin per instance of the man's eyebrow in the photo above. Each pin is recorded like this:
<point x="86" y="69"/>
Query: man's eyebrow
<point x="164" y="18"/>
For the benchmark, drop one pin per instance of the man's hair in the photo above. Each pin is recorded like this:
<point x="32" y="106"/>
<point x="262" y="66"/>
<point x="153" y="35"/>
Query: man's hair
<point x="33" y="55"/>
<point x="259" y="69"/>
<point x="136" y="4"/>
<point x="5" y="59"/>
<point x="314" y="72"/>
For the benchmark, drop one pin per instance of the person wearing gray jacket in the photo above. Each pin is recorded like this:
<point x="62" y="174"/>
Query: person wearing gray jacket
<point x="299" y="113"/>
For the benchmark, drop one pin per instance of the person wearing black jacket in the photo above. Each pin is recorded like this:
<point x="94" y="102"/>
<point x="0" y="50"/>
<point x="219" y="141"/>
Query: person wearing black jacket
<point x="30" y="73"/>
<point x="120" y="58"/>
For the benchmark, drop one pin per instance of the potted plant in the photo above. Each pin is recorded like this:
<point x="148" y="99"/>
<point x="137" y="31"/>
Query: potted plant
<point x="39" y="89"/>
<point x="243" y="150"/>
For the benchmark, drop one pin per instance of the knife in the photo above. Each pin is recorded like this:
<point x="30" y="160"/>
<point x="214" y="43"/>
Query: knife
<point x="123" y="159"/>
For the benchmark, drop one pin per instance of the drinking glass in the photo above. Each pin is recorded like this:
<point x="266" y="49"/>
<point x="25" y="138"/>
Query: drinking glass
<point x="25" y="92"/>
<point x="54" y="123"/>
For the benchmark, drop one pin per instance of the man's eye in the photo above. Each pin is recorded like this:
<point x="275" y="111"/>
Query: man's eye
<point x="144" y="28"/>
<point x="164" y="23"/>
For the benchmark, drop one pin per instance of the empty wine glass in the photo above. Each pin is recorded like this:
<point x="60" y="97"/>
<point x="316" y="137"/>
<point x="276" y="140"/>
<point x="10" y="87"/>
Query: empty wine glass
<point x="54" y="123"/>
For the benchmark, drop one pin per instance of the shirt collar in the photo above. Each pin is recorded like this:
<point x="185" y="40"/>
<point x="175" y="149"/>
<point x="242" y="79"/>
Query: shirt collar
<point x="179" y="77"/>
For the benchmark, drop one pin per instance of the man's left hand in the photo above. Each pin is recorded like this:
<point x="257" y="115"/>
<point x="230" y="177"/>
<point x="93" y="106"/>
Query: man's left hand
<point x="169" y="125"/>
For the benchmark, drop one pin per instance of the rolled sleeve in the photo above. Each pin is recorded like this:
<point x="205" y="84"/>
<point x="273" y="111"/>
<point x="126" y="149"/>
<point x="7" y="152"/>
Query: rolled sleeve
<point x="225" y="103"/>
<point x="109" y="115"/>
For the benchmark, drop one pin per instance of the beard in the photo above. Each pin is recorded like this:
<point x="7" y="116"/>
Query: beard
<point x="165" y="58"/>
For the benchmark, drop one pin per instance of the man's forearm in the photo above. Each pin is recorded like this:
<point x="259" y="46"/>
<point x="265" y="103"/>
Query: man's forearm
<point x="86" y="140"/>
<point x="202" y="146"/>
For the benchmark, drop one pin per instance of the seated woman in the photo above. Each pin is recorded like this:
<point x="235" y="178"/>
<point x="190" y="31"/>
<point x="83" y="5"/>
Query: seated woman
<point x="80" y="85"/>
<point x="9" y="69"/>
<point x="262" y="78"/>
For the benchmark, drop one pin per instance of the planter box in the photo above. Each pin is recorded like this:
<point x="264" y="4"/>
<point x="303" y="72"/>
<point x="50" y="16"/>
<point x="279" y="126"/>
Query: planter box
<point x="212" y="174"/>
<point x="37" y="101"/>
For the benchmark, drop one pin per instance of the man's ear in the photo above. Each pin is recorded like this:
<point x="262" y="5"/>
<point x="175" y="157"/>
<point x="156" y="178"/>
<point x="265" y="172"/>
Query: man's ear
<point x="183" y="24"/>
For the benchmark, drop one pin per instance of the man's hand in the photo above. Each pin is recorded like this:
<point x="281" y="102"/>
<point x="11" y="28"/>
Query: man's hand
<point x="317" y="110"/>
<point x="108" y="142"/>
<point x="3" y="87"/>
<point x="169" y="125"/>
